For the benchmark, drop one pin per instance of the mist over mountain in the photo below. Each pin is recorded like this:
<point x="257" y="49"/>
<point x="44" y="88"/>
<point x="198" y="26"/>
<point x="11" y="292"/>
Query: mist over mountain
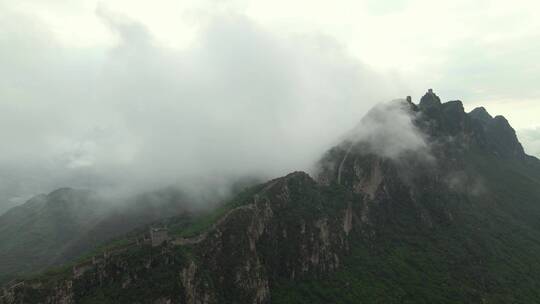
<point x="243" y="151"/>
<point x="531" y="140"/>
<point x="57" y="228"/>
<point x="138" y="115"/>
<point x="419" y="203"/>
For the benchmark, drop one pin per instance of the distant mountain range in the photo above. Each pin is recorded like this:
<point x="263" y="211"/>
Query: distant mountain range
<point x="457" y="221"/>
<point x="56" y="228"/>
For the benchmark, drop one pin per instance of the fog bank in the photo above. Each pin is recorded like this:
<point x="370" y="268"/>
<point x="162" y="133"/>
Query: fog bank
<point x="239" y="101"/>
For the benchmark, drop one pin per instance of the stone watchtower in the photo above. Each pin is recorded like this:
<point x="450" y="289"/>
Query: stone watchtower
<point x="158" y="236"/>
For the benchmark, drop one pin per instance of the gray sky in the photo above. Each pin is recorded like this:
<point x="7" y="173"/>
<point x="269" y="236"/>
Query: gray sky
<point x="124" y="94"/>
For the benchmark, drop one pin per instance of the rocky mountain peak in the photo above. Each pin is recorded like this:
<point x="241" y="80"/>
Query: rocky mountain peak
<point x="449" y="132"/>
<point x="439" y="212"/>
<point x="478" y="128"/>
<point x="503" y="138"/>
<point x="480" y="113"/>
<point x="429" y="100"/>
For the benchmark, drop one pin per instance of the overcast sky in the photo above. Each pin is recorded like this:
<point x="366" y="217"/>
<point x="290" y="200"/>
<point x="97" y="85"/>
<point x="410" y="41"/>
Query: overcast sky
<point x="125" y="93"/>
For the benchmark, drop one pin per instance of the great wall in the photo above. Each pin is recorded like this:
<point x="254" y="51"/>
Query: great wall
<point x="155" y="238"/>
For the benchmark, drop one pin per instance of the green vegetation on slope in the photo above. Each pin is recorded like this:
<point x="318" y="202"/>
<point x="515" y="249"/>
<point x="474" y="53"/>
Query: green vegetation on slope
<point x="489" y="254"/>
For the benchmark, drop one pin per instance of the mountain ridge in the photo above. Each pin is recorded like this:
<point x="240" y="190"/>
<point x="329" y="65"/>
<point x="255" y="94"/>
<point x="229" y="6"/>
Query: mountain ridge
<point x="454" y="220"/>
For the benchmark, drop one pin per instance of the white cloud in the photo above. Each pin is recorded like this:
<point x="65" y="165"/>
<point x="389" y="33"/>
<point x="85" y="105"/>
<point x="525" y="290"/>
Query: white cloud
<point x="241" y="100"/>
<point x="268" y="84"/>
<point x="530" y="138"/>
<point x="389" y="130"/>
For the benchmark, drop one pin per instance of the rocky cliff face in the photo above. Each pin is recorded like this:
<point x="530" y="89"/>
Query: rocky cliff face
<point x="285" y="230"/>
<point x="367" y="226"/>
<point x="409" y="180"/>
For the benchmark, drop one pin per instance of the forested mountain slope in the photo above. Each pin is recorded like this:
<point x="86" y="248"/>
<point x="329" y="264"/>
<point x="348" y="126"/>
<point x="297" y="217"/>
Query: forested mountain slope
<point x="452" y="218"/>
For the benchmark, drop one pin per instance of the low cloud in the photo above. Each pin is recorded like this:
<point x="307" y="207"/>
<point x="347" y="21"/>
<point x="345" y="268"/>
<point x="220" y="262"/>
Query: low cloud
<point x="530" y="138"/>
<point x="240" y="101"/>
<point x="462" y="182"/>
<point x="389" y="130"/>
